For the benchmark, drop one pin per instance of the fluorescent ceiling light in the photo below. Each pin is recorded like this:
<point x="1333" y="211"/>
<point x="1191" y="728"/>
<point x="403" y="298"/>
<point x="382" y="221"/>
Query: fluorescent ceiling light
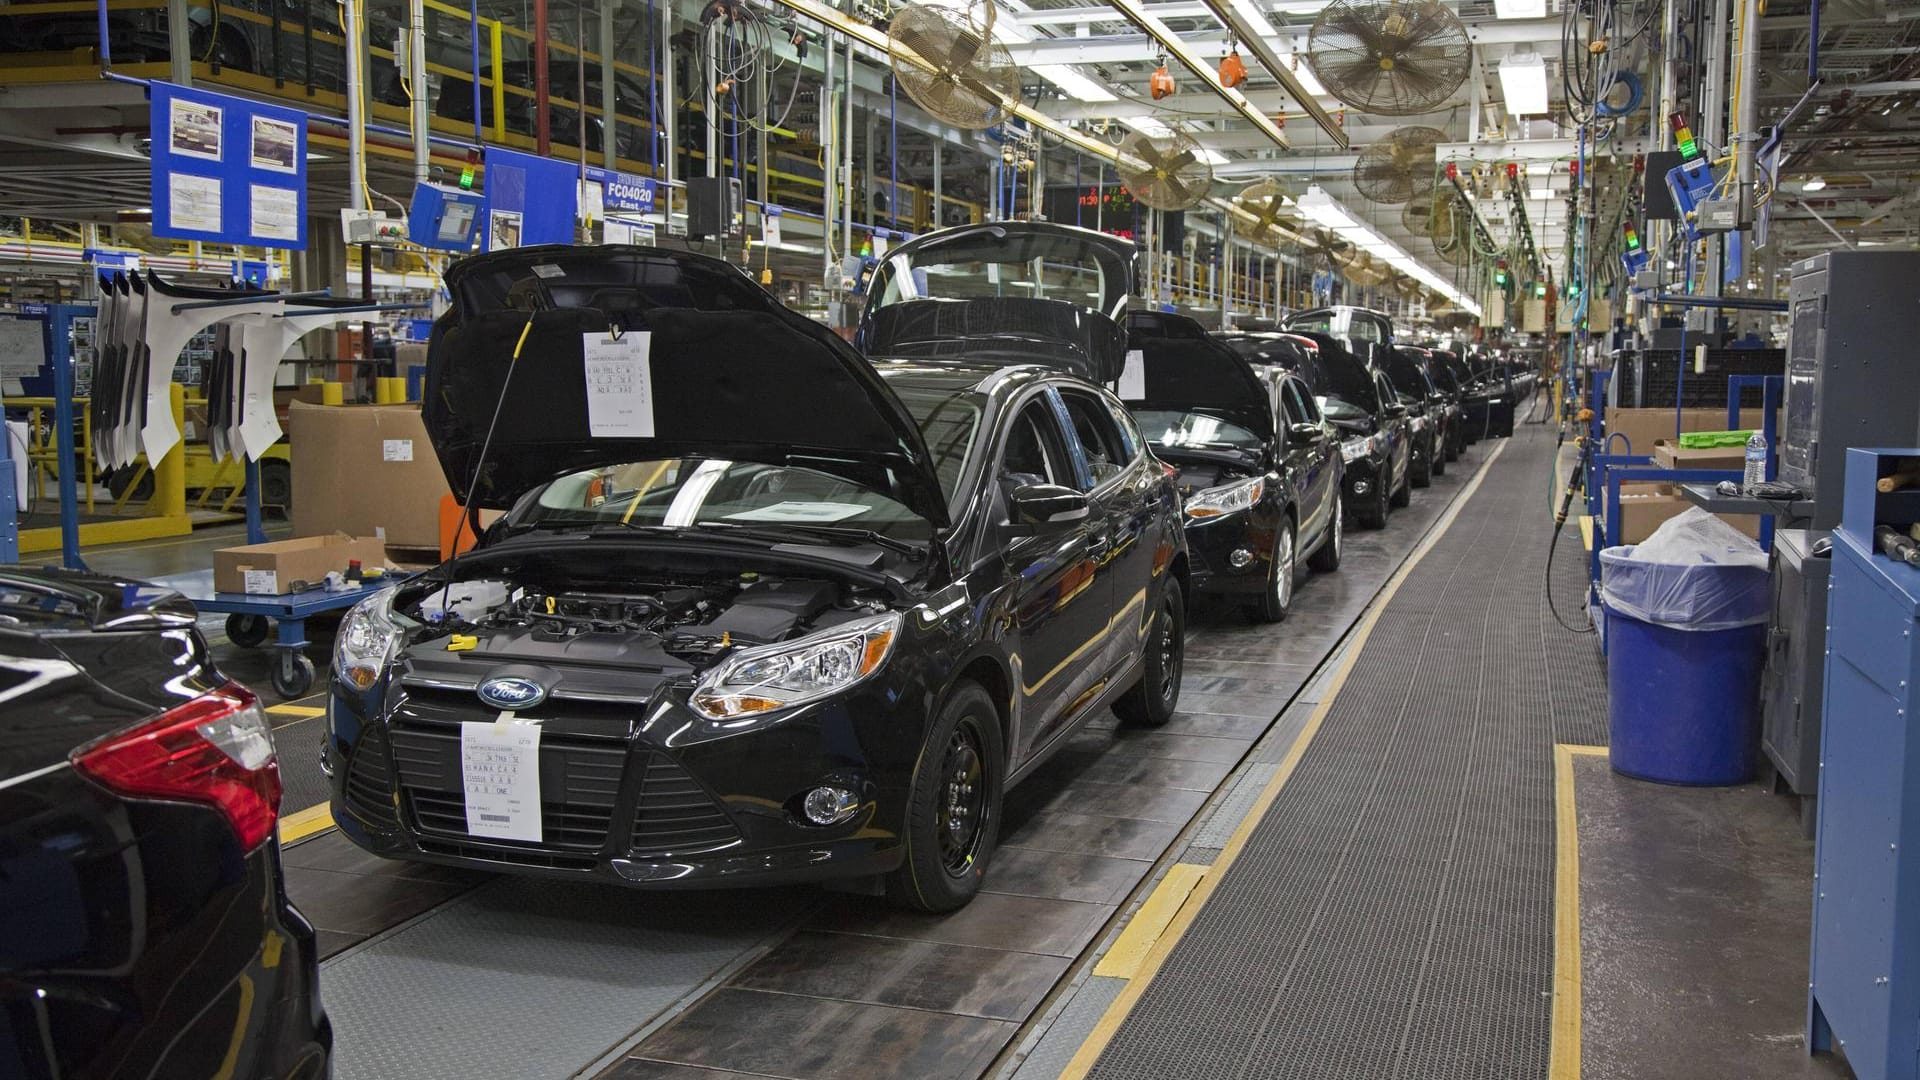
<point x="1212" y="156"/>
<point x="1520" y="9"/>
<point x="1255" y="19"/>
<point x="1308" y="81"/>
<point x="1523" y="84"/>
<point x="1147" y="125"/>
<point x="1541" y="194"/>
<point x="1077" y="86"/>
<point x="1814" y="183"/>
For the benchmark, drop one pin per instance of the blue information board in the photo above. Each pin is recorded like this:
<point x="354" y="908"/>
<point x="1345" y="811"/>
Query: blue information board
<point x="227" y="170"/>
<point x="625" y="191"/>
<point x="530" y="200"/>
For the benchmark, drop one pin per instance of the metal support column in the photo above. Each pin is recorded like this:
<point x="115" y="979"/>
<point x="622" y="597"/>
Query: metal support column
<point x="179" y="43"/>
<point x="939" y="211"/>
<point x="709" y="104"/>
<point x="846" y="157"/>
<point x="609" y="95"/>
<point x="868" y="189"/>
<point x="355" y="29"/>
<point x="542" y="123"/>
<point x="830" y="191"/>
<point x="417" y="81"/>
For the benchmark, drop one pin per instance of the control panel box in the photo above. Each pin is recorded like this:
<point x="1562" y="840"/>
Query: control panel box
<point x="1853" y="367"/>
<point x="716" y="208"/>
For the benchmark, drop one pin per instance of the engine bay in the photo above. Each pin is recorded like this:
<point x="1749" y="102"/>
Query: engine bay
<point x="662" y="623"/>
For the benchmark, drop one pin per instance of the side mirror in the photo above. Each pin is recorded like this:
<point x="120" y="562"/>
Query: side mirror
<point x="1305" y="434"/>
<point x="1043" y="508"/>
<point x="1396" y="410"/>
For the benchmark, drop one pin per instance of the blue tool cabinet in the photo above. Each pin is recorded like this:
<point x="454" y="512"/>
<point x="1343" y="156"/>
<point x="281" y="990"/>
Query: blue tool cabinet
<point x="1865" y="981"/>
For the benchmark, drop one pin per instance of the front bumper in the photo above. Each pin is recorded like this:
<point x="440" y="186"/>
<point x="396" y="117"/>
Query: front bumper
<point x="1233" y="552"/>
<point x="1361" y="481"/>
<point x="643" y="794"/>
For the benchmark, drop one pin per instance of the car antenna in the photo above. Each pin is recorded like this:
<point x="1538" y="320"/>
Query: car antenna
<point x="486" y="444"/>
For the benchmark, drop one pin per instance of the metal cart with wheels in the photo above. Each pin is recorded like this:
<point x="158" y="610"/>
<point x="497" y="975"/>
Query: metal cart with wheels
<point x="247" y="627"/>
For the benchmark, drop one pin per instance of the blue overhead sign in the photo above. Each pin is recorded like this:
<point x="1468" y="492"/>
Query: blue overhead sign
<point x="625" y="191"/>
<point x="227" y="170"/>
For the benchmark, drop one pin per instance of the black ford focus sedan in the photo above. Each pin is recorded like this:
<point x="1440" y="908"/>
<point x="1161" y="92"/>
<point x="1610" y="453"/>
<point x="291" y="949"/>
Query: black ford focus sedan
<point x="759" y="609"/>
<point x="144" y="924"/>
<point x="1260" y="471"/>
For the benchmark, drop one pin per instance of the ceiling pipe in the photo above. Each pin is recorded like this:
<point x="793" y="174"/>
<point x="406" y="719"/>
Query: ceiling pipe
<point x="1258" y="46"/>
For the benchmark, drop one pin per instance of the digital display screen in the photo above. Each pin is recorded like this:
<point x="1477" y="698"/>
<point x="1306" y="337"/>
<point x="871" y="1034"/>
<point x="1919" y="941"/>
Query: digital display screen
<point x="456" y="222"/>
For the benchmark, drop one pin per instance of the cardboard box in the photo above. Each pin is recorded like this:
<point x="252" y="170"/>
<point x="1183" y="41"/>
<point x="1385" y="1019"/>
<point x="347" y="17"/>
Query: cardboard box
<point x="1645" y="427"/>
<point x="1640" y="515"/>
<point x="272" y="568"/>
<point x="1668" y="456"/>
<point x="367" y="470"/>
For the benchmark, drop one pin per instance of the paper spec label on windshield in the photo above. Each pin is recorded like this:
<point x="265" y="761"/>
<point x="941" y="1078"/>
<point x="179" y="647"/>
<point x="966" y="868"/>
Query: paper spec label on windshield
<point x="500" y="770"/>
<point x="801" y="511"/>
<point x="619" y="385"/>
<point x="1133" y="377"/>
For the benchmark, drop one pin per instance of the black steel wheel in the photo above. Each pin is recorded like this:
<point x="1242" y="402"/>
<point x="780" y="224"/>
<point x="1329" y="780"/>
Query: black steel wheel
<point x="953" y="818"/>
<point x="248" y="631"/>
<point x="1151" y="701"/>
<point x="1277" y="598"/>
<point x="1326" y="558"/>
<point x="276" y="484"/>
<point x="1402" y="496"/>
<point x="292" y="674"/>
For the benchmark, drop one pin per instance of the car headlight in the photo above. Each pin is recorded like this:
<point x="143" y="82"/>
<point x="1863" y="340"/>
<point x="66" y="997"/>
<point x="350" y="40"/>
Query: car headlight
<point x="368" y="636"/>
<point x="1354" y="449"/>
<point x="760" y="680"/>
<point x="1225" y="499"/>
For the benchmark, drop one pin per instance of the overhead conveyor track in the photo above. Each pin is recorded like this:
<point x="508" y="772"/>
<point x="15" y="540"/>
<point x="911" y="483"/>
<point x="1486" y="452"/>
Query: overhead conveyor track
<point x="1392" y="913"/>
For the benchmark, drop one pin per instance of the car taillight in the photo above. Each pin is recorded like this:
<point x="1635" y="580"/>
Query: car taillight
<point x="216" y="749"/>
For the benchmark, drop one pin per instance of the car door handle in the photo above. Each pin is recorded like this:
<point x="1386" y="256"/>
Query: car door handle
<point x="1097" y="543"/>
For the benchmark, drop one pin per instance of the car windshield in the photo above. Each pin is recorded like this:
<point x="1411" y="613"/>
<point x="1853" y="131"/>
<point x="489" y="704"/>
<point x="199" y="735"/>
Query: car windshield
<point x="1337" y="408"/>
<point x="684" y="493"/>
<point x="1174" y="429"/>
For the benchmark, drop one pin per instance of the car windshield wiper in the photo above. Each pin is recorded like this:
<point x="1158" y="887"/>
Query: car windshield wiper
<point x="800" y="531"/>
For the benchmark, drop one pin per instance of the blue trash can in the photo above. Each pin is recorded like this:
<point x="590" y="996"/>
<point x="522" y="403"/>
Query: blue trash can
<point x="1685" y="646"/>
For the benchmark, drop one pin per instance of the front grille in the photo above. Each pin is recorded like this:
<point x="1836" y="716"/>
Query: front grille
<point x="675" y="815"/>
<point x="521" y="856"/>
<point x="579" y="783"/>
<point x="369" y="784"/>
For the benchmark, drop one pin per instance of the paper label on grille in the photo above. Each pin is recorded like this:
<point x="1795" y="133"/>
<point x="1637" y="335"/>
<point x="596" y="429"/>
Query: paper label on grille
<point x="500" y="767"/>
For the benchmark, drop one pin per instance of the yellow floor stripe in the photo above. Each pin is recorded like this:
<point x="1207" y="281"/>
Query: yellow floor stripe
<point x="298" y="826"/>
<point x="1110" y="1021"/>
<point x="1564" y="1058"/>
<point x="1129" y="952"/>
<point x="296" y="710"/>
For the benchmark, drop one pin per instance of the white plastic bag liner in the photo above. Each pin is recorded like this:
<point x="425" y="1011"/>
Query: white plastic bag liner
<point x="1695" y="572"/>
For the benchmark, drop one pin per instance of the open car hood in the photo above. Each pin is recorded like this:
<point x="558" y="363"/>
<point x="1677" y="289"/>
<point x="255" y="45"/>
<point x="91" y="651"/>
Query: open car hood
<point x="733" y="375"/>
<point x="1010" y="292"/>
<point x="1186" y="368"/>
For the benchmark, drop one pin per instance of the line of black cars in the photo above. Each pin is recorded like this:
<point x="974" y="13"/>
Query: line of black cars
<point x="763" y="606"/>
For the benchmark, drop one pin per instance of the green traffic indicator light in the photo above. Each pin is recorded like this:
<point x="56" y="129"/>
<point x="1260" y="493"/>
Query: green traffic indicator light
<point x="466" y="179"/>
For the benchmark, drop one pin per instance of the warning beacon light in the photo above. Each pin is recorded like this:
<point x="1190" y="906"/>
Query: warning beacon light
<point x="1683" y="137"/>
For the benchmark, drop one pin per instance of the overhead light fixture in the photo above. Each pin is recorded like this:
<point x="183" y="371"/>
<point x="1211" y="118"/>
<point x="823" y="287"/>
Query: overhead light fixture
<point x="1540" y="194"/>
<point x="1520" y="9"/>
<point x="1077" y="86"/>
<point x="1255" y="19"/>
<point x="1523" y="83"/>
<point x="1148" y="126"/>
<point x="1814" y="183"/>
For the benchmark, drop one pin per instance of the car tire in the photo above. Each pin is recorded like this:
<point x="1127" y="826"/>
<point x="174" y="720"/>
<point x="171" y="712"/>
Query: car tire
<point x="1150" y="702"/>
<point x="959" y="777"/>
<point x="1403" y="495"/>
<point x="1420" y="464"/>
<point x="1373" y="513"/>
<point x="1282" y="566"/>
<point x="1440" y="458"/>
<point x="1326" y="558"/>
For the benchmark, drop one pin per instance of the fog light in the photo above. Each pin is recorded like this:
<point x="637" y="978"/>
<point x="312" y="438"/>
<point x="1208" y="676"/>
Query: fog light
<point x="1361" y="487"/>
<point x="1240" y="558"/>
<point x="326" y="758"/>
<point x="830" y="805"/>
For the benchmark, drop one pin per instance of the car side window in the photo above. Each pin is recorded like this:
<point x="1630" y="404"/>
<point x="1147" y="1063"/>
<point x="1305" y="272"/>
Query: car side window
<point x="1387" y="395"/>
<point x="1300" y="407"/>
<point x="1033" y="454"/>
<point x="1129" y="428"/>
<point x="1099" y="437"/>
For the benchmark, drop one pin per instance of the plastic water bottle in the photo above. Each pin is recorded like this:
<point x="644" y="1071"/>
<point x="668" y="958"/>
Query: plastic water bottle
<point x="1756" y="461"/>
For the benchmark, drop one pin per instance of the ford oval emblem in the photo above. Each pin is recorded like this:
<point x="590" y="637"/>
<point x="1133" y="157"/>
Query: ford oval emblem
<point x="511" y="692"/>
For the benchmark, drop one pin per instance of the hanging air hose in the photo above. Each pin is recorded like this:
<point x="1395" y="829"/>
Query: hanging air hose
<point x="1574" y="483"/>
